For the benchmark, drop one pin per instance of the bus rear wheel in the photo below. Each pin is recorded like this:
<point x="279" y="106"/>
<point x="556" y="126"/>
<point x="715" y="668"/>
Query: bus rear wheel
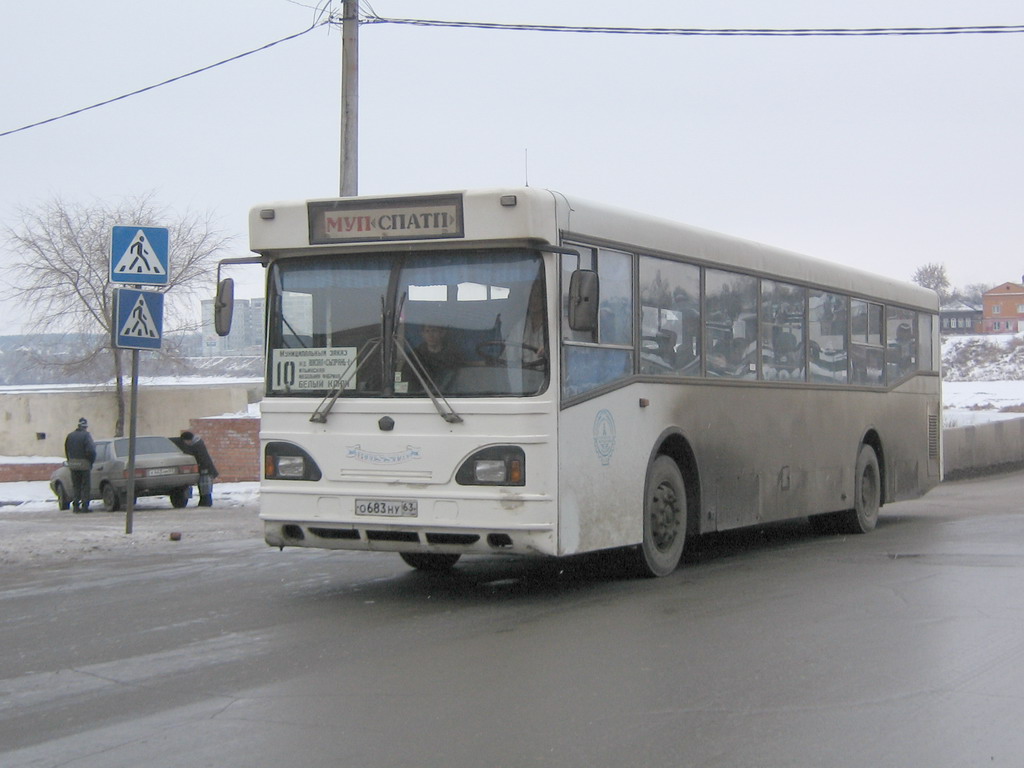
<point x="430" y="561"/>
<point x="664" y="518"/>
<point x="867" y="494"/>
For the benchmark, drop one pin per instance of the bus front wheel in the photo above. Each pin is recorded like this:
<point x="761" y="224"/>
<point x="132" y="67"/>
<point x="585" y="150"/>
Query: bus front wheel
<point x="664" y="518"/>
<point x="430" y="561"/>
<point x="867" y="494"/>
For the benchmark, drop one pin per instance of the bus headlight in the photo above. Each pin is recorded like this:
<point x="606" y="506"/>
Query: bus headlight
<point x="497" y="465"/>
<point x="290" y="467"/>
<point x="285" y="461"/>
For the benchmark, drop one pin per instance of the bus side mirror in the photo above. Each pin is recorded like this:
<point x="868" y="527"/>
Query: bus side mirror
<point x="224" y="306"/>
<point x="584" y="291"/>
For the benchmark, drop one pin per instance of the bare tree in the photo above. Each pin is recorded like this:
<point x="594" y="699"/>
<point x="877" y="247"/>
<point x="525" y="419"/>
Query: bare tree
<point x="972" y="293"/>
<point x="933" y="276"/>
<point x="60" y="273"/>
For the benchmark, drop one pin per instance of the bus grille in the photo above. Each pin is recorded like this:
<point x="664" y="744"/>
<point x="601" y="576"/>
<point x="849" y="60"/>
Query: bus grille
<point x="334" y="533"/>
<point x="408" y="536"/>
<point x="933" y="436"/>
<point x="452" y="538"/>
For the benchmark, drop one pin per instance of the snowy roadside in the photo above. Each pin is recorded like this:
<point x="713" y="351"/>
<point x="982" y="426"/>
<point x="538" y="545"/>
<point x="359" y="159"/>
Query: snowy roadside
<point x="34" y="531"/>
<point x="974" y="402"/>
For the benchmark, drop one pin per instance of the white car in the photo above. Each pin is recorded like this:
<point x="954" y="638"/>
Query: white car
<point x="160" y="469"/>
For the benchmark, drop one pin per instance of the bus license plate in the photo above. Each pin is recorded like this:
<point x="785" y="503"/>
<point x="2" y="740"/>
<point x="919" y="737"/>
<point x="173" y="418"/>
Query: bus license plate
<point x="387" y="507"/>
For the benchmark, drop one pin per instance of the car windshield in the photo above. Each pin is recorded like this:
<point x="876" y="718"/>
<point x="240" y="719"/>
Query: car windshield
<point x="408" y="325"/>
<point x="149" y="444"/>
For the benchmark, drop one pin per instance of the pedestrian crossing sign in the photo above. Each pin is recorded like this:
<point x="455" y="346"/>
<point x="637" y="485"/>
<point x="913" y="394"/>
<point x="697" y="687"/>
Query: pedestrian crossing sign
<point x="139" y="255"/>
<point x="138" y="319"/>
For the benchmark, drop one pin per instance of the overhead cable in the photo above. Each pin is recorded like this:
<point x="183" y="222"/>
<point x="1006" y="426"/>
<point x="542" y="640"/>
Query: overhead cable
<point x="166" y="82"/>
<point x="686" y="31"/>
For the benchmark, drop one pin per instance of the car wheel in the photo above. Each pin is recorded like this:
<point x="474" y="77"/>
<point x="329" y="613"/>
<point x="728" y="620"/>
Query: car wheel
<point x="179" y="497"/>
<point x="63" y="500"/>
<point x="111" y="498"/>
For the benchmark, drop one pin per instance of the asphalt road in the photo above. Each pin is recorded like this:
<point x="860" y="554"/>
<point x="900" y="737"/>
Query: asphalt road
<point x="769" y="647"/>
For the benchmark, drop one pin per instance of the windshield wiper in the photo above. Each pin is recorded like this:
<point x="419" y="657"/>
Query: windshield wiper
<point x="442" y="405"/>
<point x="363" y="355"/>
<point x="365" y="352"/>
<point x="408" y="354"/>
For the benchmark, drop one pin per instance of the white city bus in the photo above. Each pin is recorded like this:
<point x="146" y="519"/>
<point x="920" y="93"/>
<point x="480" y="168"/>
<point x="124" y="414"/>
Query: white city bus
<point x="517" y="371"/>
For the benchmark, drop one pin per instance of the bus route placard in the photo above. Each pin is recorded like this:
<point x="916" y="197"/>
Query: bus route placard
<point x="311" y="369"/>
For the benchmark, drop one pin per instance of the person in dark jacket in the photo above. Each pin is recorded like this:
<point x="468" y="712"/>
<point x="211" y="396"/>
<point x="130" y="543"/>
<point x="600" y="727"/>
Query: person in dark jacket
<point x="80" y="451"/>
<point x="194" y="446"/>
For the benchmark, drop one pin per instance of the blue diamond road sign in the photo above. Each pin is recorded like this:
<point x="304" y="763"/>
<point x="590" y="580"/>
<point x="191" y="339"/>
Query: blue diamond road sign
<point x="139" y="255"/>
<point x="138" y="319"/>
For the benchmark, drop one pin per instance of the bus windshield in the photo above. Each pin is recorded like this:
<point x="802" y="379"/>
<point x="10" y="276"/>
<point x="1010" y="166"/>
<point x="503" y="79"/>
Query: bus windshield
<point x="451" y="323"/>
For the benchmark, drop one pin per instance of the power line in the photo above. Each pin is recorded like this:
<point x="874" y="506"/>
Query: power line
<point x="684" y="31"/>
<point x="373" y="18"/>
<point x="167" y="82"/>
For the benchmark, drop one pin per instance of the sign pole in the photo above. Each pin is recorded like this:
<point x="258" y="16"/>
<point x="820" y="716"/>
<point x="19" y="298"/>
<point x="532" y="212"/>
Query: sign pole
<point x="140" y="256"/>
<point x="132" y="420"/>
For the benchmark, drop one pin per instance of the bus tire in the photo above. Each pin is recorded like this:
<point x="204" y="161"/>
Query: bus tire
<point x="664" y="518"/>
<point x="430" y="561"/>
<point x="867" y="494"/>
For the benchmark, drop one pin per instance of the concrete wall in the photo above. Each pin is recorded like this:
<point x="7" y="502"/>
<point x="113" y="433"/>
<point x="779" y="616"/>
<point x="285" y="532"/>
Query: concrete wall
<point x="975" y="449"/>
<point x="34" y="422"/>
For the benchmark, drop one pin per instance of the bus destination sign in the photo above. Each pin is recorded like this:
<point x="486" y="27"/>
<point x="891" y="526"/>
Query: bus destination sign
<point x="420" y="218"/>
<point x="308" y="370"/>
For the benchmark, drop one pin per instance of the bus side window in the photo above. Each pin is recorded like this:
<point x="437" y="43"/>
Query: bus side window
<point x="670" y="317"/>
<point x="926" y="358"/>
<point x="730" y="301"/>
<point x="901" y="346"/>
<point x="783" y="344"/>
<point x="829" y="337"/>
<point x="616" y="316"/>
<point x="867" y="354"/>
<point x="593" y="358"/>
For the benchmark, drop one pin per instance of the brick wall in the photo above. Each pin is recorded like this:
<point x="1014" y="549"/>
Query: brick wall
<point x="233" y="442"/>
<point x="14" y="473"/>
<point x="234" y="445"/>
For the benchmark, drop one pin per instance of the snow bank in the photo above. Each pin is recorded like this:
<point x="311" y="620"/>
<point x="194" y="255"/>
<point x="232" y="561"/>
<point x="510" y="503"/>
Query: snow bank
<point x="36" y="496"/>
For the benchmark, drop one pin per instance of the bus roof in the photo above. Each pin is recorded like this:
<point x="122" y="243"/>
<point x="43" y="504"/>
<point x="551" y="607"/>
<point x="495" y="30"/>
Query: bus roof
<point x="530" y="215"/>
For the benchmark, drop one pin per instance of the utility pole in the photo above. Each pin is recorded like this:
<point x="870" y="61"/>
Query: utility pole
<point x="350" y="98"/>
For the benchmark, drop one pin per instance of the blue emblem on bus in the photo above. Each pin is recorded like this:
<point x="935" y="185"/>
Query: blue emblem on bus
<point x="604" y="435"/>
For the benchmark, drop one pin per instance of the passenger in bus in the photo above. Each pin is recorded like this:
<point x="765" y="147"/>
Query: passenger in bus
<point x="437" y="354"/>
<point x="720" y="357"/>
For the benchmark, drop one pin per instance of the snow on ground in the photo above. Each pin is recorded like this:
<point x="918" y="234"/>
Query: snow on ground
<point x="983" y="378"/>
<point x="34" y="532"/>
<point x="989" y="357"/>
<point x="144" y="381"/>
<point x="32" y="496"/>
<point x="972" y="402"/>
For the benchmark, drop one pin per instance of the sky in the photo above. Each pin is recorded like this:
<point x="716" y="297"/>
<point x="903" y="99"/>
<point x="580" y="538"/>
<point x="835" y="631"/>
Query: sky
<point x="883" y="152"/>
